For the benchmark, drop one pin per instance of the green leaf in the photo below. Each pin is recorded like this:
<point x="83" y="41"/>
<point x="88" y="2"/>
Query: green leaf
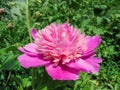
<point x="20" y="88"/>
<point x="10" y="62"/>
<point x="44" y="81"/>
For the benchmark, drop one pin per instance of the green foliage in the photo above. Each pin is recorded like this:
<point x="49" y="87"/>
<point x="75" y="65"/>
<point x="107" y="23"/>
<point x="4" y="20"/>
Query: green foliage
<point x="94" y="17"/>
<point x="5" y="5"/>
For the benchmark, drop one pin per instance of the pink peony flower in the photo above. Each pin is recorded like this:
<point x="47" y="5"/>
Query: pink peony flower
<point x="63" y="50"/>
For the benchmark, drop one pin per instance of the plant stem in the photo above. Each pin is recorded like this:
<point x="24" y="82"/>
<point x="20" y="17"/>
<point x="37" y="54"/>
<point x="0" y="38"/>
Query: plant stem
<point x="27" y="20"/>
<point x="8" y="78"/>
<point x="29" y="31"/>
<point x="33" y="79"/>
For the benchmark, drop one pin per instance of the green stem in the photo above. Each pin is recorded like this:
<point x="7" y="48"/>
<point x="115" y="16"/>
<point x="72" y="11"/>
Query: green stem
<point x="8" y="78"/>
<point x="29" y="31"/>
<point x="33" y="79"/>
<point x="27" y="20"/>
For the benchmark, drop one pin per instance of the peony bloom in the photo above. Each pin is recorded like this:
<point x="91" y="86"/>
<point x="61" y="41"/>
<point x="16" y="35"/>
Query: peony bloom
<point x="63" y="50"/>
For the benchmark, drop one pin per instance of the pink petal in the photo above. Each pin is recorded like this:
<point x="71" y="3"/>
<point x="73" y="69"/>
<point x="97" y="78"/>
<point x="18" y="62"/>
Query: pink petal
<point x="29" y="49"/>
<point x="94" y="61"/>
<point x="88" y="54"/>
<point x="81" y="65"/>
<point x="27" y="52"/>
<point x="33" y="33"/>
<point x="92" y="42"/>
<point x="29" y="61"/>
<point x="62" y="72"/>
<point x="89" y="65"/>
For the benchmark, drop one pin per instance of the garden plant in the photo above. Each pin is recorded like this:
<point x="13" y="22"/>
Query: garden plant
<point x="59" y="45"/>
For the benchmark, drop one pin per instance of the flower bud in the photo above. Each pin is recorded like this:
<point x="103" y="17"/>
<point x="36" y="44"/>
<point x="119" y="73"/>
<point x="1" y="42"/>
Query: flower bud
<point x="37" y="13"/>
<point x="1" y="10"/>
<point x="10" y="26"/>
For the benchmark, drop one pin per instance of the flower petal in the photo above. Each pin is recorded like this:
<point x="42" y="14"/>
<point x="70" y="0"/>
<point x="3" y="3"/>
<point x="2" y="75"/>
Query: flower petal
<point x="88" y="54"/>
<point x="29" y="49"/>
<point x="94" y="61"/>
<point x="62" y="72"/>
<point x="27" y="52"/>
<point x="33" y="33"/>
<point x="89" y="65"/>
<point x="28" y="61"/>
<point x="92" y="42"/>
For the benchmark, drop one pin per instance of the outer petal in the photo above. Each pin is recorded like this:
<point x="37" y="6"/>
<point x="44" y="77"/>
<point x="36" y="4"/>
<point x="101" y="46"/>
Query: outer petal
<point x="92" y="42"/>
<point x="62" y="72"/>
<point x="27" y="52"/>
<point x="29" y="49"/>
<point x="33" y="33"/>
<point x="89" y="65"/>
<point x="88" y="54"/>
<point x="94" y="61"/>
<point x="29" y="61"/>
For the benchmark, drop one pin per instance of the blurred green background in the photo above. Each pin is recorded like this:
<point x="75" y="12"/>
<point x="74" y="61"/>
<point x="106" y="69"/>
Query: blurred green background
<point x="94" y="17"/>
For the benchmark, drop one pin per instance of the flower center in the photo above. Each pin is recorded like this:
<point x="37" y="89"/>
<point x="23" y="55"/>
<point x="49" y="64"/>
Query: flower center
<point x="60" y="43"/>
